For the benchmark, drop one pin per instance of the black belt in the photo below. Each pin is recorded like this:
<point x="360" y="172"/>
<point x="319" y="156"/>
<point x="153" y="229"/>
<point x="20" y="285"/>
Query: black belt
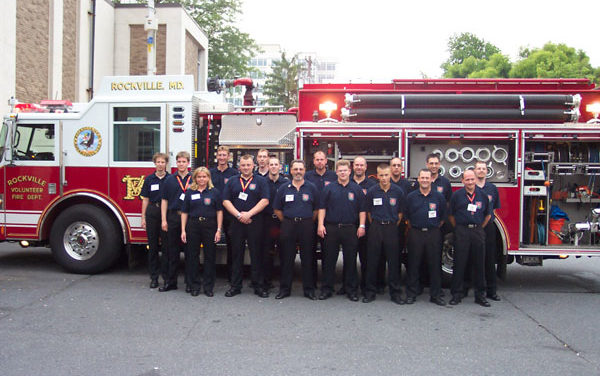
<point x="157" y="204"/>
<point x="340" y="225"/>
<point x="425" y="229"/>
<point x="174" y="211"/>
<point x="470" y="225"/>
<point x="384" y="222"/>
<point x="203" y="219"/>
<point x="274" y="216"/>
<point x="297" y="219"/>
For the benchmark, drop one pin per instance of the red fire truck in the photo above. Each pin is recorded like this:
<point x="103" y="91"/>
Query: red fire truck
<point x="540" y="139"/>
<point x="72" y="173"/>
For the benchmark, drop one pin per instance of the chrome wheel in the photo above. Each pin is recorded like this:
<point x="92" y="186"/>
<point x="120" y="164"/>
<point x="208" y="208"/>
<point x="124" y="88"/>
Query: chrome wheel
<point x="81" y="241"/>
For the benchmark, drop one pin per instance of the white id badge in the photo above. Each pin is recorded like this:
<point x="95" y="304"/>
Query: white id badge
<point x="154" y="187"/>
<point x="196" y="196"/>
<point x="432" y="214"/>
<point x="377" y="201"/>
<point x="243" y="196"/>
<point x="182" y="196"/>
<point x="472" y="208"/>
<point x="289" y="198"/>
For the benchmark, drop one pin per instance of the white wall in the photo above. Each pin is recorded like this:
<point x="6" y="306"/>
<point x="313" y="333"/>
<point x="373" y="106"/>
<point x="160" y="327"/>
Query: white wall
<point x="104" y="56"/>
<point x="8" y="40"/>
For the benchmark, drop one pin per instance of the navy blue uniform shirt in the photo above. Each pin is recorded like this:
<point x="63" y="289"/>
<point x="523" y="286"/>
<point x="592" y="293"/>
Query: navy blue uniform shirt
<point x="297" y="203"/>
<point x="320" y="181"/>
<point x="342" y="203"/>
<point x="493" y="196"/>
<point x="443" y="186"/>
<point x="204" y="203"/>
<point x="425" y="211"/>
<point x="406" y="185"/>
<point x="273" y="187"/>
<point x="365" y="184"/>
<point x="256" y="189"/>
<point x="220" y="178"/>
<point x="152" y="187"/>
<point x="173" y="191"/>
<point x="459" y="207"/>
<point x="385" y="206"/>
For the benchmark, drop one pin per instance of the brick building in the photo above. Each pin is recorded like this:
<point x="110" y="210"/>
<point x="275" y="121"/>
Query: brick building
<point x="61" y="49"/>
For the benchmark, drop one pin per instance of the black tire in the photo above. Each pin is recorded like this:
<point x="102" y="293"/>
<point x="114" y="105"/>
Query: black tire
<point x="447" y="259"/>
<point x="85" y="239"/>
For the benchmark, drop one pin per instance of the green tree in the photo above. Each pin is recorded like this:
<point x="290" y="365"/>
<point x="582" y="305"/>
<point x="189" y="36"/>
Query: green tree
<point x="468" y="54"/>
<point x="229" y="49"/>
<point x="554" y="61"/>
<point x="281" y="86"/>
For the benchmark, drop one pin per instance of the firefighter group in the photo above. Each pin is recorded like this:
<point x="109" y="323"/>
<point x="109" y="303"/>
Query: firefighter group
<point x="385" y="220"/>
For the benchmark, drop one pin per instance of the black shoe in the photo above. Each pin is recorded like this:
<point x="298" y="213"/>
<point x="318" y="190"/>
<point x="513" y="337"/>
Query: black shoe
<point x="398" y="300"/>
<point x="368" y="298"/>
<point x="482" y="302"/>
<point x="195" y="292"/>
<point x="442" y="294"/>
<point x="437" y="300"/>
<point x="494" y="297"/>
<point x="268" y="286"/>
<point x="232" y="292"/>
<point x="341" y="291"/>
<point x="167" y="287"/>
<point x="281" y="295"/>
<point x="455" y="301"/>
<point x="410" y="300"/>
<point x="310" y="295"/>
<point x="188" y="289"/>
<point x="154" y="283"/>
<point x="261" y="293"/>
<point x="209" y="293"/>
<point x="353" y="297"/>
<point x="325" y="295"/>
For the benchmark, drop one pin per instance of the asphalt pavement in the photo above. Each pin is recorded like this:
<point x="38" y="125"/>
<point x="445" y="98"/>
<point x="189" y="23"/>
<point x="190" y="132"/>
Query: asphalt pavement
<point x="56" y="323"/>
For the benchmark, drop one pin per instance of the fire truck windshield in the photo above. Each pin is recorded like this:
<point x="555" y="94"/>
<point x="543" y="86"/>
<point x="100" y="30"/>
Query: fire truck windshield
<point x="3" y="134"/>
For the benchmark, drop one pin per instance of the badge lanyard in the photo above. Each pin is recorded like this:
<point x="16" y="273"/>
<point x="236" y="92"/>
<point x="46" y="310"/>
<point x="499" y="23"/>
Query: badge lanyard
<point x="245" y="186"/>
<point x="187" y="183"/>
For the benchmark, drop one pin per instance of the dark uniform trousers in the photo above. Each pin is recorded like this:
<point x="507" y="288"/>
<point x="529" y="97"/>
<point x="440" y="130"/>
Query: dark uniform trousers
<point x="227" y="220"/>
<point x="271" y="246"/>
<point x="364" y="261"/>
<point x="490" y="258"/>
<point x="424" y="242"/>
<point x="469" y="243"/>
<point x="174" y="245"/>
<point x="200" y="232"/>
<point x="251" y="233"/>
<point x="157" y="242"/>
<point x="383" y="242"/>
<point x="297" y="231"/>
<point x="344" y="234"/>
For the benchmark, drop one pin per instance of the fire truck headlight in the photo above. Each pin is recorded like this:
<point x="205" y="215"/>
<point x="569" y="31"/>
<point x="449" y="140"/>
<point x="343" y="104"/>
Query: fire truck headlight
<point x="24" y="243"/>
<point x="328" y="107"/>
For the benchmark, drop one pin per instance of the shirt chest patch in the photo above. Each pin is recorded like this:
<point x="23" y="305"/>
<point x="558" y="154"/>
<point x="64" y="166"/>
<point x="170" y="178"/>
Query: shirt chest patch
<point x="305" y="197"/>
<point x="350" y="196"/>
<point x="479" y="204"/>
<point x="440" y="189"/>
<point x="432" y="206"/>
<point x="226" y="180"/>
<point x="327" y="183"/>
<point x="490" y="198"/>
<point x="364" y="191"/>
<point x="207" y="201"/>
<point x="392" y="201"/>
<point x="252" y="186"/>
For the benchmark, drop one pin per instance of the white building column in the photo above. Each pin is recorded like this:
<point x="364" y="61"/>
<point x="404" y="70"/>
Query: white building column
<point x="55" y="40"/>
<point x="8" y="63"/>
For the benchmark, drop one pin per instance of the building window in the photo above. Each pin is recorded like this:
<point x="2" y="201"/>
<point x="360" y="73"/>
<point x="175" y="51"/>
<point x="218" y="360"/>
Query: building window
<point x="136" y="133"/>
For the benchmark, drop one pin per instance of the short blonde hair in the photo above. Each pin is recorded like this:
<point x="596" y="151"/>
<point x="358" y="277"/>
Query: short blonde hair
<point x="194" y="185"/>
<point x="183" y="154"/>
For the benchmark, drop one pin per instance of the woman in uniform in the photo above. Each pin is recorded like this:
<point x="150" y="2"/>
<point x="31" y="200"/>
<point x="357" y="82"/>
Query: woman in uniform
<point x="201" y="222"/>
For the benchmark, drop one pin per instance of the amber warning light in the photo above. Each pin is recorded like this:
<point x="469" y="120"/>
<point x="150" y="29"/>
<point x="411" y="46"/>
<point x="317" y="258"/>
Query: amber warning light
<point x="594" y="109"/>
<point x="328" y="107"/>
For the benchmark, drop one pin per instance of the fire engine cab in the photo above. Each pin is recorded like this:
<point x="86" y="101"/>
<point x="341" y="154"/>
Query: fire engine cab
<point x="72" y="173"/>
